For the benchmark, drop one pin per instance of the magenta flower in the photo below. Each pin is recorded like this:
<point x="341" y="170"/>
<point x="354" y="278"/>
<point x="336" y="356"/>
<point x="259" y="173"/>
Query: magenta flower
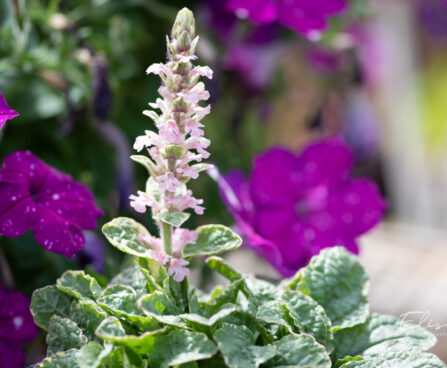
<point x="5" y="112"/>
<point x="293" y="206"/>
<point x="16" y="326"/>
<point x="307" y="17"/>
<point x="37" y="197"/>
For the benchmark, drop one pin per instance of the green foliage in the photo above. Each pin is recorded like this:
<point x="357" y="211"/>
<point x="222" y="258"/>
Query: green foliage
<point x="138" y="322"/>
<point x="213" y="239"/>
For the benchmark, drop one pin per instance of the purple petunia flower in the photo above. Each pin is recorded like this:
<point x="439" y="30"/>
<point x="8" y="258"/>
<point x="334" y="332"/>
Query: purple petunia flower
<point x="5" y="112"/>
<point x="16" y="326"/>
<point x="309" y="18"/>
<point x="37" y="197"/>
<point x="293" y="206"/>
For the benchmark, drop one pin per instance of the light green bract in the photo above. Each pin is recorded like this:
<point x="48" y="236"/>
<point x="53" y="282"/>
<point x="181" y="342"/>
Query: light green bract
<point x="150" y="316"/>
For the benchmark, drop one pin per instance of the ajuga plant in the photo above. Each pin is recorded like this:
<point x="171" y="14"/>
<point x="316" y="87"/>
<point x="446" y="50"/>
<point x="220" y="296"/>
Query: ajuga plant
<point x="149" y="316"/>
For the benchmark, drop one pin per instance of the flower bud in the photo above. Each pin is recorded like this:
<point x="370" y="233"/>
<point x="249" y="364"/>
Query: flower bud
<point x="173" y="151"/>
<point x="184" y="22"/>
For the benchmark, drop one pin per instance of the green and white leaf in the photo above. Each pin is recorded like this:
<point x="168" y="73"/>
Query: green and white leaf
<point x="122" y="301"/>
<point x="398" y="359"/>
<point x="64" y="334"/>
<point x="212" y="240"/>
<point x="132" y="277"/>
<point x="175" y="219"/>
<point x="237" y="345"/>
<point x="49" y="301"/>
<point x="165" y="347"/>
<point x="336" y="280"/>
<point x="87" y="315"/>
<point x="79" y="285"/>
<point x="93" y="354"/>
<point x="299" y="351"/>
<point x="123" y="233"/>
<point x="381" y="333"/>
<point x="220" y="266"/>
<point x="309" y="317"/>
<point x="65" y="359"/>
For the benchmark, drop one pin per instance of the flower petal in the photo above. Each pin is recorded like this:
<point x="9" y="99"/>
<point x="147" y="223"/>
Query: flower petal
<point x="16" y="321"/>
<point x="274" y="177"/>
<point x="356" y="208"/>
<point x="70" y="200"/>
<point x="325" y="162"/>
<point x="11" y="354"/>
<point x="17" y="209"/>
<point x="56" y="234"/>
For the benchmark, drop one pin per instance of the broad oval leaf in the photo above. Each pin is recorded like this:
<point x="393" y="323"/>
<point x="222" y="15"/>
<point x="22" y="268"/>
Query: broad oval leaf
<point x="79" y="285"/>
<point x="381" y="333"/>
<point x="400" y="359"/>
<point x="212" y="240"/>
<point x="237" y="345"/>
<point x="309" y="317"/>
<point x="65" y="359"/>
<point x="49" y="301"/>
<point x="64" y="334"/>
<point x="336" y="280"/>
<point x="299" y="351"/>
<point x="123" y="233"/>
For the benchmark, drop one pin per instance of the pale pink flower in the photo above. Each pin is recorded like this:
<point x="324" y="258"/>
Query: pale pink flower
<point x="141" y="142"/>
<point x="204" y="71"/>
<point x="186" y="58"/>
<point x="143" y="200"/>
<point x="181" y="238"/>
<point x="162" y="258"/>
<point x="168" y="182"/>
<point x="200" y="112"/>
<point x="195" y="94"/>
<point x="158" y="69"/>
<point x="188" y="201"/>
<point x="176" y="268"/>
<point x="170" y="131"/>
<point x="152" y="241"/>
<point x="193" y="127"/>
<point x="188" y="171"/>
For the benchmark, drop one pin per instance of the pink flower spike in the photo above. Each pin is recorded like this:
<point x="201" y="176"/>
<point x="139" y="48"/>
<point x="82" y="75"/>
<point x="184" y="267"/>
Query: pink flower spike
<point x="168" y="182"/>
<point x="5" y="112"/>
<point x="176" y="268"/>
<point x="201" y="112"/>
<point x="161" y="257"/>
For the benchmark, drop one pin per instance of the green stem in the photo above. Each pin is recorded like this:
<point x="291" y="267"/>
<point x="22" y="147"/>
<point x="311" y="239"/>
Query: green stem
<point x="166" y="234"/>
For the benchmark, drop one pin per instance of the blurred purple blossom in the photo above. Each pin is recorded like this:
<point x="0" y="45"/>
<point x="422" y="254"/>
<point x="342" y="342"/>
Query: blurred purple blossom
<point x="93" y="253"/>
<point x="294" y="206"/>
<point x="432" y="15"/>
<point x="16" y="326"/>
<point x="309" y="18"/>
<point x="5" y="112"/>
<point x="37" y="197"/>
